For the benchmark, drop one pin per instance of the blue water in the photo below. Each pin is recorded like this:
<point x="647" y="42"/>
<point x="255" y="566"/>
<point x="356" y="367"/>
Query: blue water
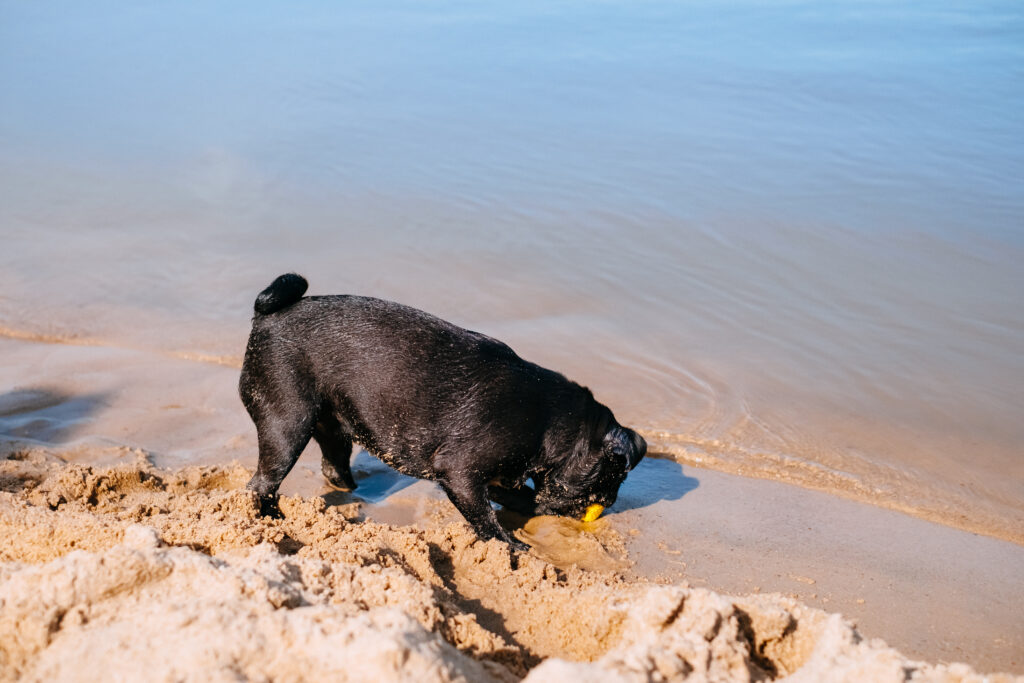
<point x="862" y="114"/>
<point x="786" y="236"/>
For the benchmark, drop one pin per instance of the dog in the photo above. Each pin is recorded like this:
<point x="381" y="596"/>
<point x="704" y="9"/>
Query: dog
<point x="430" y="399"/>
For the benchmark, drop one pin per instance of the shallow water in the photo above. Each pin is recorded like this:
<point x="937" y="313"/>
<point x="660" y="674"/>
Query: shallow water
<point x="781" y="238"/>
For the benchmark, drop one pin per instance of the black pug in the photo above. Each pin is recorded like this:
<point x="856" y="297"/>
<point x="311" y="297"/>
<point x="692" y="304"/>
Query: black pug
<point x="428" y="398"/>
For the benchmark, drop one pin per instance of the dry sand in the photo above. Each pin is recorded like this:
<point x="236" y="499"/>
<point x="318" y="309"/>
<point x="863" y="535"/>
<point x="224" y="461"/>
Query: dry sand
<point x="130" y="572"/>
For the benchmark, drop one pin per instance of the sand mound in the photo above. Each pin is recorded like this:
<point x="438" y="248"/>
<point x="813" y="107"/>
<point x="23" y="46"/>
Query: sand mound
<point x="136" y="573"/>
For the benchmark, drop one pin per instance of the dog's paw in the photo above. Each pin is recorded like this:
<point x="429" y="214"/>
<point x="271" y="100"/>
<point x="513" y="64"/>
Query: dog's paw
<point x="269" y="507"/>
<point x="338" y="481"/>
<point x="518" y="546"/>
<point x="516" y="551"/>
<point x="343" y="486"/>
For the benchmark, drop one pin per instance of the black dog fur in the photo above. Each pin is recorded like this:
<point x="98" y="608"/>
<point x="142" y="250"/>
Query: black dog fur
<point x="430" y="399"/>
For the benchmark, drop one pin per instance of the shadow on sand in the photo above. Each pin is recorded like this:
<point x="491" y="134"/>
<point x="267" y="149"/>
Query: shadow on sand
<point x="46" y="416"/>
<point x="375" y="482"/>
<point x="653" y="480"/>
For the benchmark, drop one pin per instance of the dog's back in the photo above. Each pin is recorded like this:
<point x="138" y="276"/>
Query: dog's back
<point x="404" y="382"/>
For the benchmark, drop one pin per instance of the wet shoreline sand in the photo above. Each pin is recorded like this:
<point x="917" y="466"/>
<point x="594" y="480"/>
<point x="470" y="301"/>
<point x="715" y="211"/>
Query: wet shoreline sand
<point x="933" y="592"/>
<point x="954" y="499"/>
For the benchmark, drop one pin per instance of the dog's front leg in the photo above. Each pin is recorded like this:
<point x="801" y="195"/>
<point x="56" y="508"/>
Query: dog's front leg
<point x="470" y="498"/>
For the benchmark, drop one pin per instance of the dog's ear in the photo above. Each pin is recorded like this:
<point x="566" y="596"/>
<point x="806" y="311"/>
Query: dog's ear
<point x="639" y="449"/>
<point x="625" y="444"/>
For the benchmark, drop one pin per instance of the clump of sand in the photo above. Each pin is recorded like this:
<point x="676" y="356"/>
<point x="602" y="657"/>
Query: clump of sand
<point x="137" y="573"/>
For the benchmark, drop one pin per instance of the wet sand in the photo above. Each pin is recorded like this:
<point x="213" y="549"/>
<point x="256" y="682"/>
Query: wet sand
<point x="933" y="592"/>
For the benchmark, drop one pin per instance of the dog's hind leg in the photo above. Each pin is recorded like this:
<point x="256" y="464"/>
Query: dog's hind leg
<point x="336" y="447"/>
<point x="284" y="424"/>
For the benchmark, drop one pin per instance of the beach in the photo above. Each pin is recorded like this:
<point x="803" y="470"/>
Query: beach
<point x="782" y="241"/>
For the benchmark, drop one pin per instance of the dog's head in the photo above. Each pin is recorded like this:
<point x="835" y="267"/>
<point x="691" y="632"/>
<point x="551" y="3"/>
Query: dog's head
<point x="591" y="475"/>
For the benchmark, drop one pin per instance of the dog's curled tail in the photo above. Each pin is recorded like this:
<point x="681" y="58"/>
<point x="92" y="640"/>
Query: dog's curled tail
<point x="282" y="292"/>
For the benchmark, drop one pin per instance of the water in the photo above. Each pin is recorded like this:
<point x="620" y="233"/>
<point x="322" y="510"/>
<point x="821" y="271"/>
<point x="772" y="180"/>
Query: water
<point x="783" y="238"/>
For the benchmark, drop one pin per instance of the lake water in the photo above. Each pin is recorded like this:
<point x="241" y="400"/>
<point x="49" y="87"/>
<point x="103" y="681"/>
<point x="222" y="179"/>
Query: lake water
<point x="782" y="238"/>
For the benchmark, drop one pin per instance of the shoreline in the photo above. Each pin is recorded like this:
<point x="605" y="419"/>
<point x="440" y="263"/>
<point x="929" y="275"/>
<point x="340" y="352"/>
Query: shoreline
<point x="896" y="492"/>
<point x="813" y="476"/>
<point x="947" y="605"/>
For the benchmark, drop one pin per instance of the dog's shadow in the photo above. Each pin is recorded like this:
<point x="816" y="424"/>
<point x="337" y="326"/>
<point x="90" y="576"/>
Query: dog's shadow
<point x="46" y="416"/>
<point x="654" y="479"/>
<point x="376" y="482"/>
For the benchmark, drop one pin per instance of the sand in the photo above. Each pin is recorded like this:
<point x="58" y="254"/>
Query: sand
<point x="934" y="593"/>
<point x="131" y="572"/>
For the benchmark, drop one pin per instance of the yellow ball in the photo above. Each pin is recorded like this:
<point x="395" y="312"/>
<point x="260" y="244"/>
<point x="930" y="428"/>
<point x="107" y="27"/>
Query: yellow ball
<point x="593" y="512"/>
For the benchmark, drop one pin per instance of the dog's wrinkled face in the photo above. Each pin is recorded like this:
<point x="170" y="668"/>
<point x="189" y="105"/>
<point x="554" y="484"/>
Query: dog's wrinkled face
<point x="592" y="477"/>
